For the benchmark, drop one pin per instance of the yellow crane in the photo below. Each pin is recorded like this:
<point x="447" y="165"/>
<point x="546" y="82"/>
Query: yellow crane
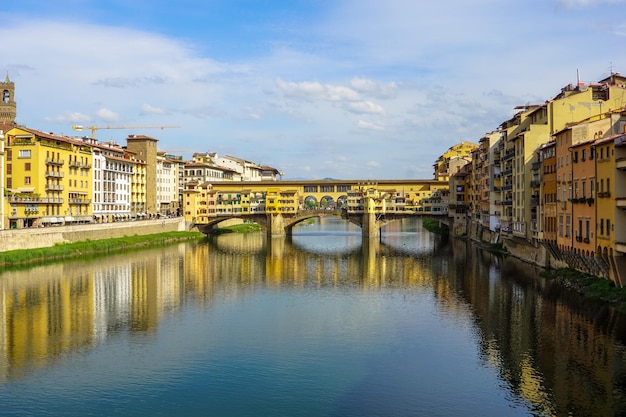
<point x="94" y="128"/>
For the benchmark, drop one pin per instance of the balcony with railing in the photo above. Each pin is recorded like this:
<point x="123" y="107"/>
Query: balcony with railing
<point x="79" y="200"/>
<point x="508" y="155"/>
<point x="54" y="187"/>
<point x="55" y="174"/>
<point x="52" y="161"/>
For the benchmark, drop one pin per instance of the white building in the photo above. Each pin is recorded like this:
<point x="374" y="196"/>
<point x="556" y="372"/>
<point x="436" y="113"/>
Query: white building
<point x="167" y="185"/>
<point x="112" y="175"/>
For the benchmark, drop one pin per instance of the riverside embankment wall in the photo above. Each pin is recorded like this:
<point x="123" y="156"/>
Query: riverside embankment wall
<point x="49" y="236"/>
<point x="552" y="256"/>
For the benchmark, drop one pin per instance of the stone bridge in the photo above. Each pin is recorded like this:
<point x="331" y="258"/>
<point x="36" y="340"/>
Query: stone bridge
<point x="281" y="224"/>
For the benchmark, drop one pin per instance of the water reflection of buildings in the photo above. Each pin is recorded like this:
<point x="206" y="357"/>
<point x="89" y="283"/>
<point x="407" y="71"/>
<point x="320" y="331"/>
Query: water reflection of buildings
<point x="52" y="310"/>
<point x="547" y="347"/>
<point x="550" y="347"/>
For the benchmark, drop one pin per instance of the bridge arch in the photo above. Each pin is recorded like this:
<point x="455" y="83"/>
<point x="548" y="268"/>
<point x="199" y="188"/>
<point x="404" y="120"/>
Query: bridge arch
<point x="290" y="223"/>
<point x="327" y="202"/>
<point x="310" y="202"/>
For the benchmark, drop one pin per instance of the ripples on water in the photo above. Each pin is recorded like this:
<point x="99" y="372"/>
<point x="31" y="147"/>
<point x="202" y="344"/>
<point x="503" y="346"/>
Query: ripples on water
<point x="319" y="324"/>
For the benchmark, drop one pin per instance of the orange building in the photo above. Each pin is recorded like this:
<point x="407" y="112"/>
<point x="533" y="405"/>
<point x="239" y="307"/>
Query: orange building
<point x="583" y="202"/>
<point x="563" y="142"/>
<point x="548" y="206"/>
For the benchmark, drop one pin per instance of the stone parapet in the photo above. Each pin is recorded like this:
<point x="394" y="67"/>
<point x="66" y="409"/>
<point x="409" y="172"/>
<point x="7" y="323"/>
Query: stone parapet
<point x="49" y="236"/>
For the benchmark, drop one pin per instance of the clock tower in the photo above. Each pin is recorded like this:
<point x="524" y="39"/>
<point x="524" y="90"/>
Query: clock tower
<point x="7" y="101"/>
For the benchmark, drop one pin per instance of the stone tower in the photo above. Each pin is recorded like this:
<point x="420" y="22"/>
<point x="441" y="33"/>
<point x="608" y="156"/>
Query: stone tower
<point x="145" y="149"/>
<point x="8" y="108"/>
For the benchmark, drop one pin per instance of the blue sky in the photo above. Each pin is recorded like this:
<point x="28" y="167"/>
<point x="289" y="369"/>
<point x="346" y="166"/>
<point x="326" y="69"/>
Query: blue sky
<point x="355" y="89"/>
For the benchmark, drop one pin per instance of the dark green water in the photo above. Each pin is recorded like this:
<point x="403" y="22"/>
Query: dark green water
<point x="319" y="324"/>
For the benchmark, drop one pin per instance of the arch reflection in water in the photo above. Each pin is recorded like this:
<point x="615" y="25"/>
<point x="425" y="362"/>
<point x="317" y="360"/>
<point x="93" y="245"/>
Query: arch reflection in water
<point x="327" y="235"/>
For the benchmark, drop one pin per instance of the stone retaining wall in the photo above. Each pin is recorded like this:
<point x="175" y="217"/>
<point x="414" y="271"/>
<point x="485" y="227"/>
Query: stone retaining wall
<point x="49" y="236"/>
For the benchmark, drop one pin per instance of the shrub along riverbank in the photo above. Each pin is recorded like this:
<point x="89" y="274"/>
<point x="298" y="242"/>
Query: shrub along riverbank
<point x="93" y="247"/>
<point x="238" y="228"/>
<point x="590" y="286"/>
<point x="434" y="226"/>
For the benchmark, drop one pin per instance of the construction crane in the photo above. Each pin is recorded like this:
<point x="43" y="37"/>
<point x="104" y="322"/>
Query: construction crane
<point x="94" y="128"/>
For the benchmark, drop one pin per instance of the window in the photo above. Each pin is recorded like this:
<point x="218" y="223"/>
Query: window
<point x="27" y="166"/>
<point x="584" y="188"/>
<point x="9" y="169"/>
<point x="26" y="180"/>
<point x="580" y="228"/>
<point x="24" y="153"/>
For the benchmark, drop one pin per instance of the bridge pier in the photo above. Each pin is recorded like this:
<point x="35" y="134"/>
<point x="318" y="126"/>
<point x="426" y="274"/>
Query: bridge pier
<point x="369" y="226"/>
<point x="276" y="225"/>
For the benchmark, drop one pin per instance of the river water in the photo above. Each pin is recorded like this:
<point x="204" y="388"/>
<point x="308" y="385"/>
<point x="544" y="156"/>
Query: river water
<point x="318" y="324"/>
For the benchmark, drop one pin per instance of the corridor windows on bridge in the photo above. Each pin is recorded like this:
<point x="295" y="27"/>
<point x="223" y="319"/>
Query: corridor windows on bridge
<point x="310" y="188"/>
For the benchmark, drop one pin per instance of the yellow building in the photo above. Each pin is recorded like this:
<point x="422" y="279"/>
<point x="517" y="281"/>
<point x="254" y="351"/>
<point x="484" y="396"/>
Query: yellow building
<point x="442" y="165"/>
<point x="2" y="178"/>
<point x="48" y="179"/>
<point x="228" y="198"/>
<point x="138" y="189"/>
<point x="605" y="194"/>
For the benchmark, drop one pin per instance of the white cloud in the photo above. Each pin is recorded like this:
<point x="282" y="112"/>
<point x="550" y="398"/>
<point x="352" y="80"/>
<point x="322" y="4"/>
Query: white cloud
<point x="107" y="115"/>
<point x="313" y="90"/>
<point x="73" y="118"/>
<point x="373" y="164"/>
<point x="368" y="125"/>
<point x="148" y="109"/>
<point x="372" y="87"/>
<point x="366" y="107"/>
